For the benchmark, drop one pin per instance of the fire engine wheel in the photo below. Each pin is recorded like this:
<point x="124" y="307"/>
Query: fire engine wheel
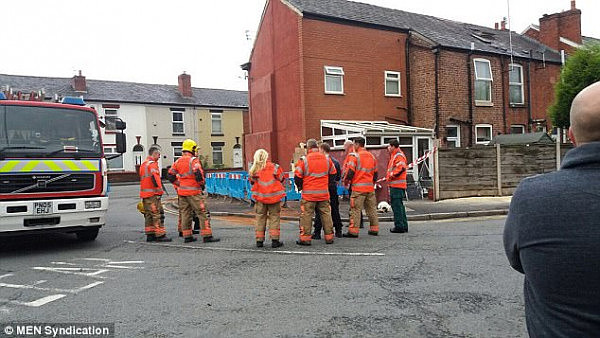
<point x="87" y="235"/>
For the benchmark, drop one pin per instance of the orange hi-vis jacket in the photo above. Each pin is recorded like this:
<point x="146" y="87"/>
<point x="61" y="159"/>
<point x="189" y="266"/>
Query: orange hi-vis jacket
<point x="149" y="169"/>
<point x="314" y="170"/>
<point x="185" y="169"/>
<point x="266" y="184"/>
<point x="396" y="171"/>
<point x="364" y="166"/>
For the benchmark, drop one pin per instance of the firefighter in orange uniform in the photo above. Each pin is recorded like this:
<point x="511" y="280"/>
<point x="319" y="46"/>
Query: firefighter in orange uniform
<point x="396" y="177"/>
<point x="312" y="178"/>
<point x="151" y="191"/>
<point x="267" y="191"/>
<point x="187" y="175"/>
<point x="361" y="172"/>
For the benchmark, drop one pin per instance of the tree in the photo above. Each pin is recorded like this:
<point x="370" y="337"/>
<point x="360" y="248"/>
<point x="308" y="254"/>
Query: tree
<point x="581" y="70"/>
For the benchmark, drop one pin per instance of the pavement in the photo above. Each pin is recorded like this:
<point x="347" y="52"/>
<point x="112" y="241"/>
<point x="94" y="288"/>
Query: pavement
<point x="416" y="210"/>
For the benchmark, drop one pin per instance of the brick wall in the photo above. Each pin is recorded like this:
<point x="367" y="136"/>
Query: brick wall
<point x="454" y="92"/>
<point x="365" y="54"/>
<point x="275" y="116"/>
<point x="422" y="84"/>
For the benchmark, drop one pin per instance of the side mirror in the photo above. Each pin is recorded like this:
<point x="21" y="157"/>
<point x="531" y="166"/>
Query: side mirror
<point x="121" y="141"/>
<point x="120" y="124"/>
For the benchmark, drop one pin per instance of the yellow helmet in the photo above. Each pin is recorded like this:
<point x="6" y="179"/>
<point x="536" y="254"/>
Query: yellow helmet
<point x="140" y="207"/>
<point x="189" y="145"/>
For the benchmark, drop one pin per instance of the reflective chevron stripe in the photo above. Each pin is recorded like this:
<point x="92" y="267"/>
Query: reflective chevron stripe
<point x="40" y="166"/>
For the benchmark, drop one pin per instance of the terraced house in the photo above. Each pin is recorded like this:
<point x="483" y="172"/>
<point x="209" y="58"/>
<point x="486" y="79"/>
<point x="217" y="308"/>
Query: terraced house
<point x="315" y="61"/>
<point x="166" y="113"/>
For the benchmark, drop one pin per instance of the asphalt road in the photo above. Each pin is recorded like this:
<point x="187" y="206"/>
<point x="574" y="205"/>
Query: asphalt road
<point x="442" y="279"/>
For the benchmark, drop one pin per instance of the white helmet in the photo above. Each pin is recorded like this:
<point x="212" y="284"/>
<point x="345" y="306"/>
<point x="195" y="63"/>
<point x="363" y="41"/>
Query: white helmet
<point x="384" y="206"/>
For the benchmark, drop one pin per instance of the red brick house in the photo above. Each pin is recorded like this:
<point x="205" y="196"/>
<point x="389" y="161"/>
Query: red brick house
<point x="317" y="60"/>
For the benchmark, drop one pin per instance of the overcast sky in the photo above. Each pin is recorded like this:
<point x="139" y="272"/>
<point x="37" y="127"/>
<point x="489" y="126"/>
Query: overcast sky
<point x="153" y="41"/>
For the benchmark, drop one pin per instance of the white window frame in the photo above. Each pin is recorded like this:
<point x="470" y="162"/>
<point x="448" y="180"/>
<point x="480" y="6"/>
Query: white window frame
<point x="522" y="127"/>
<point x="484" y="125"/>
<point x="456" y="138"/>
<point x="177" y="149"/>
<point x="112" y="150"/>
<point x="387" y="78"/>
<point x="489" y="80"/>
<point x="333" y="72"/>
<point x="219" y="150"/>
<point x="173" y="122"/>
<point x="216" y="116"/>
<point x="113" y="114"/>
<point x="512" y="66"/>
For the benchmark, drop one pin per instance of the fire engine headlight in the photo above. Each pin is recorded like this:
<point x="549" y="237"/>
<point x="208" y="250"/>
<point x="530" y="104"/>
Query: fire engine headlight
<point x="92" y="204"/>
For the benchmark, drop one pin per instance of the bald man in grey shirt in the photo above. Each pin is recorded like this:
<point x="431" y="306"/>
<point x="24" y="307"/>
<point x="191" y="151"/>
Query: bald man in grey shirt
<point x="552" y="233"/>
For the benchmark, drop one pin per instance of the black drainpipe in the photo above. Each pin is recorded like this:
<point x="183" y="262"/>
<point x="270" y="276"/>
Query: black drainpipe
<point x="530" y="117"/>
<point x="436" y="51"/>
<point x="503" y="92"/>
<point x="470" y="91"/>
<point x="408" y="92"/>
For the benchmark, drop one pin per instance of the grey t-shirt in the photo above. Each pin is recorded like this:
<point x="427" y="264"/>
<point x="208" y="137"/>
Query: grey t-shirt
<point x="552" y="235"/>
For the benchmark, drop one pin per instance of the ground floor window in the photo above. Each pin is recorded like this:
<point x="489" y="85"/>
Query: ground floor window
<point x="115" y="163"/>
<point x="217" y="153"/>
<point x="453" y="136"/>
<point x="483" y="133"/>
<point x="517" y="129"/>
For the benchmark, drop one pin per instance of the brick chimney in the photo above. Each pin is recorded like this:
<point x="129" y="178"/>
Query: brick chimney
<point x="503" y="24"/>
<point x="78" y="83"/>
<point x="566" y="24"/>
<point x="185" y="85"/>
<point x="495" y="25"/>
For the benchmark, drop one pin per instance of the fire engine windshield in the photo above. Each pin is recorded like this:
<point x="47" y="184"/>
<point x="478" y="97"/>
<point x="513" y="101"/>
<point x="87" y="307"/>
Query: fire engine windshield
<point x="27" y="131"/>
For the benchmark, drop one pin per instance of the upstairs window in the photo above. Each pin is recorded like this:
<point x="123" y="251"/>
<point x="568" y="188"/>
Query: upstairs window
<point x="483" y="81"/>
<point x="177" y="122"/>
<point x="334" y="80"/>
<point x="110" y="118"/>
<point x="515" y="79"/>
<point x="392" y="83"/>
<point x="216" y="117"/>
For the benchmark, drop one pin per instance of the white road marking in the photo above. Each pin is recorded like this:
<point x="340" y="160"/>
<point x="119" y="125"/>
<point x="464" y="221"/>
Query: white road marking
<point x="75" y="271"/>
<point x="35" y="303"/>
<point x="282" y="252"/>
<point x="34" y="287"/>
<point x="123" y="267"/>
<point x="62" y="263"/>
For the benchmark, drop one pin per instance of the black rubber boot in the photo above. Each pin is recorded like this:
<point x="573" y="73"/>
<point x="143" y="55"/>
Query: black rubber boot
<point x="189" y="239"/>
<point x="398" y="230"/>
<point x="338" y="233"/>
<point x="350" y="235"/>
<point x="150" y="238"/>
<point x="210" y="239"/>
<point x="259" y="244"/>
<point x="373" y="233"/>
<point x="163" y="239"/>
<point x="305" y="243"/>
<point x="276" y="243"/>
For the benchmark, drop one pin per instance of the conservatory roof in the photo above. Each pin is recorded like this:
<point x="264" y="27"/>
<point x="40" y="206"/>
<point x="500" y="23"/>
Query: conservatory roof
<point x="375" y="128"/>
